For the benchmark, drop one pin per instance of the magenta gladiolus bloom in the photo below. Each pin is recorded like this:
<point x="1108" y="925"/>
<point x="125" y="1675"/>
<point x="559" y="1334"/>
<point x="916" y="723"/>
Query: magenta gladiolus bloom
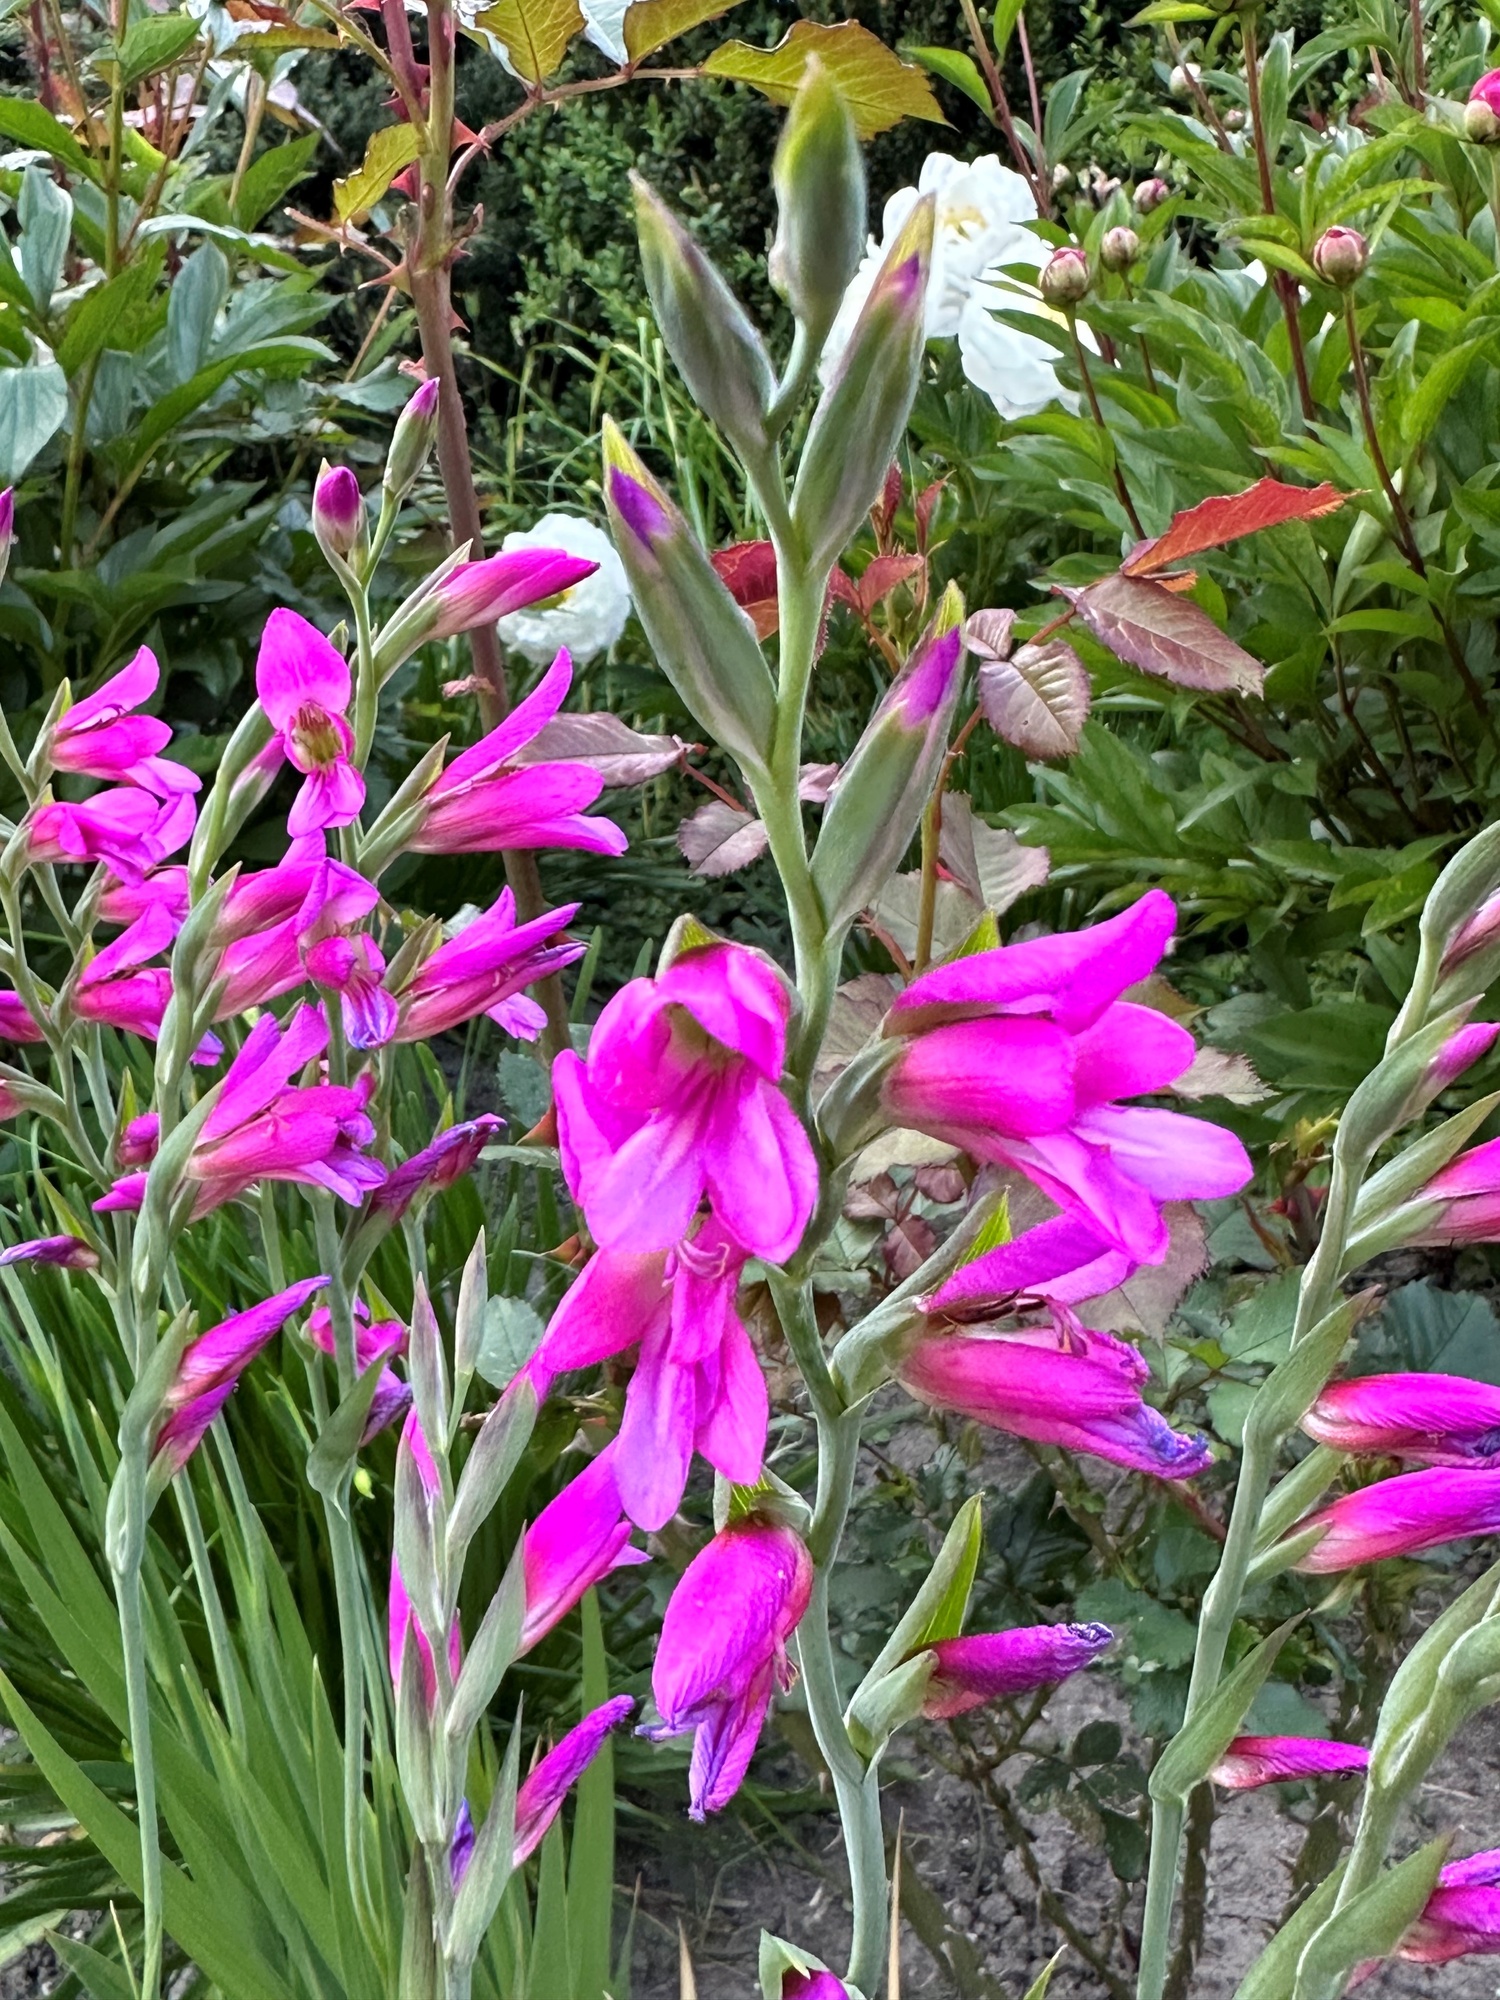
<point x="1461" y="1918"/>
<point x="1055" y="1384"/>
<point x="1273" y="1760"/>
<point x="697" y="1384"/>
<point x="996" y="1666"/>
<point x="137" y="1144"/>
<point x="542" y="1791"/>
<point x="98" y="737"/>
<point x="123" y="902"/>
<point x="481" y="969"/>
<point x="1402" y="1517"/>
<point x="1018" y="1054"/>
<point x="1425" y="1419"/>
<point x="319" y="896"/>
<point x="70" y="1253"/>
<point x="578" y="1537"/>
<point x="120" y="988"/>
<point x="16" y="1023"/>
<point x="1461" y="1203"/>
<point x="1063" y="1261"/>
<point x="451" y="1155"/>
<point x="681" y="1098"/>
<point x="126" y="828"/>
<point x="722" y="1652"/>
<point x="372" y="1343"/>
<point x="211" y="1367"/>
<point x="304" y="688"/>
<point x="819" y="1985"/>
<point x="486" y="799"/>
<point x="481" y="593"/>
<point x="262" y="1127"/>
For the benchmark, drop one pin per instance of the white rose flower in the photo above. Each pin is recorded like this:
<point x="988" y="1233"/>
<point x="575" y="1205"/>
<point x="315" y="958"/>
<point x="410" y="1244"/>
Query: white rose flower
<point x="983" y="212"/>
<point x="587" y="619"/>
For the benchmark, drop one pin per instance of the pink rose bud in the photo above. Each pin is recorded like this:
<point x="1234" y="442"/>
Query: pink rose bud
<point x="338" y="512"/>
<point x="1482" y="112"/>
<point x="1340" y="257"/>
<point x="1120" y="249"/>
<point x="1151" y="194"/>
<point x="1251" y="1761"/>
<point x="1065" y="277"/>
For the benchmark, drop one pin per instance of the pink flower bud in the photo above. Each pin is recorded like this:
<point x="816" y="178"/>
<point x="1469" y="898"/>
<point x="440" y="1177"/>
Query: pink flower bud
<point x="338" y="512"/>
<point x="1151" y="194"/>
<point x="1482" y="112"/>
<point x="412" y="440"/>
<point x="1065" y="277"/>
<point x="1251" y="1761"/>
<point x="1119" y="249"/>
<point x="1340" y="256"/>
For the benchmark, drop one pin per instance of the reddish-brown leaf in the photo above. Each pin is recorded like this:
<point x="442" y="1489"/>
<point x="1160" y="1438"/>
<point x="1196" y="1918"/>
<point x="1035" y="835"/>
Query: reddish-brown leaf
<point x="883" y="575"/>
<point x="908" y="1245"/>
<point x="941" y="1185"/>
<point x="883" y="513"/>
<point x="988" y="634"/>
<point x="1164" y="635"/>
<point x="718" y="838"/>
<point x="987" y="862"/>
<point x="620" y="754"/>
<point x="815" y="782"/>
<point x="748" y="572"/>
<point x="1038" y="700"/>
<point x="1227" y="516"/>
<point x="926" y="507"/>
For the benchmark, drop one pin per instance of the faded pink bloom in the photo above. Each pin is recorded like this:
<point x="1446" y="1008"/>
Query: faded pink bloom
<point x="578" y="1537"/>
<point x="262" y="1127"/>
<point x="997" y="1666"/>
<point x="486" y="799"/>
<point x="722" y="1652"/>
<point x="483" y="968"/>
<point x="120" y="988"/>
<point x="1273" y="1760"/>
<point x="98" y="737"/>
<point x="304" y="688"/>
<point x="212" y="1365"/>
<point x="1461" y="1918"/>
<point x="680" y="1100"/>
<point x="452" y="1154"/>
<point x="1056" y="1383"/>
<point x="1401" y="1517"/>
<point x="1425" y="1419"/>
<point x="697" y="1384"/>
<point x="126" y="828"/>
<point x="547" y="1784"/>
<point x="1018" y="1055"/>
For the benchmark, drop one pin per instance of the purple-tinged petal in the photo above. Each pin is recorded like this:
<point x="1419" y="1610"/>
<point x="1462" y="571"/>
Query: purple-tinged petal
<point x="542" y="1791"/>
<point x="1425" y="1419"/>
<point x="1251" y="1761"/>
<point x="996" y="1666"/>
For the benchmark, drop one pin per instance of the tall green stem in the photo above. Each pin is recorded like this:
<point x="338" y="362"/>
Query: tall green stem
<point x="127" y="1561"/>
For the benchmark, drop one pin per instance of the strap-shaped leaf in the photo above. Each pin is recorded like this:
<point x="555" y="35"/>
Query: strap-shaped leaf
<point x="937" y="1610"/>
<point x="1291" y="1388"/>
<point x="1199" y="1744"/>
<point x="1272" y="1975"/>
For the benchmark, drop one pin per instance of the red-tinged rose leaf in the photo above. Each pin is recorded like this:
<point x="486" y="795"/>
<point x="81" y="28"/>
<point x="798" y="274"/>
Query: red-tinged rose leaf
<point x="748" y="572"/>
<point x="842" y="589"/>
<point x="1038" y="699"/>
<point x="1178" y="581"/>
<point x="883" y="575"/>
<point x="859" y="1007"/>
<point x="989" y="634"/>
<point x="883" y="513"/>
<point x="908" y="1245"/>
<point x="941" y="1185"/>
<point x="878" y="1200"/>
<point x="1227" y="516"/>
<point x="718" y="839"/>
<point x="987" y="862"/>
<point x="1221" y="1073"/>
<point x="1164" y="635"/>
<point x="815" y="782"/>
<point x="926" y="507"/>
<point x="620" y="754"/>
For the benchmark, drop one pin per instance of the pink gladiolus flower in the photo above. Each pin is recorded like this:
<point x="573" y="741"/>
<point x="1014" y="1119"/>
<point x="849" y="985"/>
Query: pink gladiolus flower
<point x="722" y="1652"/>
<point x="1064" y="1261"/>
<point x="123" y="902"/>
<point x="1425" y="1419"/>
<point x="1055" y="1384"/>
<point x="481" y="593"/>
<point x="352" y="967"/>
<point x="98" y="737"/>
<point x="126" y="828"/>
<point x="819" y="1985"/>
<point x="1461" y="1203"/>
<point x="70" y="1253"/>
<point x="16" y="1023"/>
<point x="1273" y="1760"/>
<point x="1018" y="1054"/>
<point x="451" y="1155"/>
<point x="481" y="969"/>
<point x="264" y="1128"/>
<point x="578" y="1537"/>
<point x="681" y="1098"/>
<point x="319" y="897"/>
<point x="120" y="988"/>
<point x="1402" y="1517"/>
<point x="542" y="1791"/>
<point x="402" y="1617"/>
<point x="486" y="800"/>
<point x="138" y="1142"/>
<point x="304" y="688"/>
<point x="212" y="1365"/>
<point x="372" y="1343"/>
<point x="697" y="1384"/>
<point x="996" y="1666"/>
<point x="1461" y="1918"/>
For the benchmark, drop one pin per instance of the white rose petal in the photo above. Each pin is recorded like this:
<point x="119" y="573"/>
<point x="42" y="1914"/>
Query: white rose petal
<point x="587" y="619"/>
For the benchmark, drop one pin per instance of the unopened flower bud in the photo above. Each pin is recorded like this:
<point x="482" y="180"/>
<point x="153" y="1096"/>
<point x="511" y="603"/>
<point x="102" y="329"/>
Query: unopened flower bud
<point x="412" y="440"/>
<point x="1340" y="256"/>
<point x="1482" y="112"/>
<point x="1119" y="249"/>
<point x="1065" y="277"/>
<point x="1151" y="194"/>
<point x="819" y="179"/>
<point x="338" y="513"/>
<point x="1182" y="79"/>
<point x="1234" y="119"/>
<point x="7" y="526"/>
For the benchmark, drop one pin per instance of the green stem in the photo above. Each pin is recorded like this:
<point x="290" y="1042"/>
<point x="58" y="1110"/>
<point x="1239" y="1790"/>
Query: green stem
<point x="225" y="1665"/>
<point x="366" y="692"/>
<point x="138" y="1703"/>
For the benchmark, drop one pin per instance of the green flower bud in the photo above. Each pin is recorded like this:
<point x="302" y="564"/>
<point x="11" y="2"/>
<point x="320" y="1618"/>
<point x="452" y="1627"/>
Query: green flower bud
<point x="412" y="440"/>
<point x="1339" y="257"/>
<point x="718" y="352"/>
<point x="819" y="179"/>
<point x="1119" y="249"/>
